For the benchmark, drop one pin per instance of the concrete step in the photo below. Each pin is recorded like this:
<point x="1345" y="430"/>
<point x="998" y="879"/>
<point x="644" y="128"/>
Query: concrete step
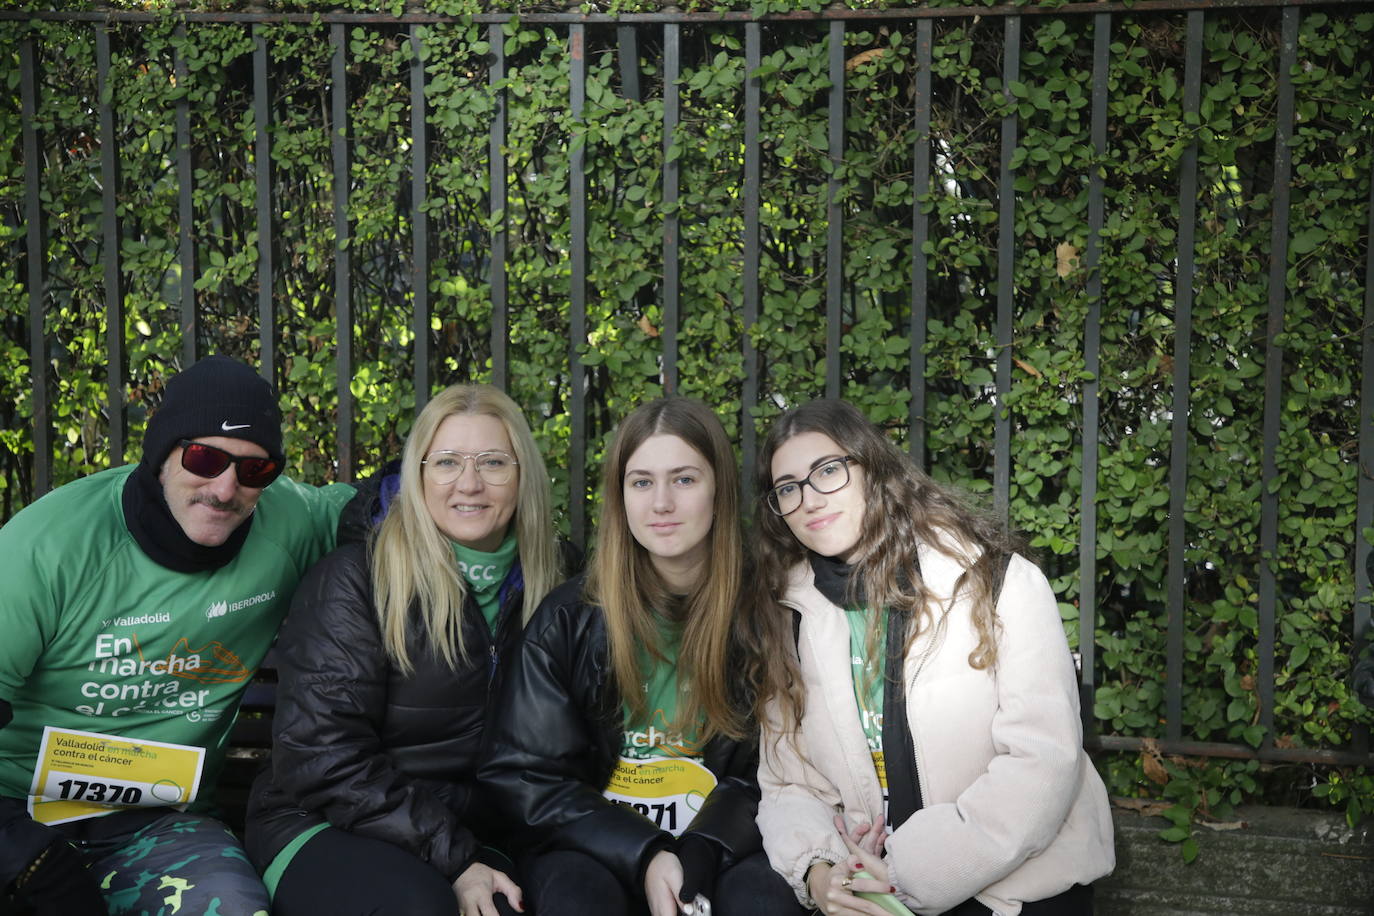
<point x="1284" y="862"/>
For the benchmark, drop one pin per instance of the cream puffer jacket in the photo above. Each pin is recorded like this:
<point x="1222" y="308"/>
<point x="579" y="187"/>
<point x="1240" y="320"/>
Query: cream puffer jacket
<point x="1013" y="809"/>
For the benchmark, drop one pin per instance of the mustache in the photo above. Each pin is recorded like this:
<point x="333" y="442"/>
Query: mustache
<point x="234" y="506"/>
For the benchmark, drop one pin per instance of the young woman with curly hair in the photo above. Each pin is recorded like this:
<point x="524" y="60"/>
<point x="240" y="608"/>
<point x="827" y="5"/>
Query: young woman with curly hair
<point x="921" y="732"/>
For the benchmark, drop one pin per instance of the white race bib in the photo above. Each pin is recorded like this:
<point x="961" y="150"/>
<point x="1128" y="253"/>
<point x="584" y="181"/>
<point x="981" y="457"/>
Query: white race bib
<point x="85" y="774"/>
<point x="667" y="790"/>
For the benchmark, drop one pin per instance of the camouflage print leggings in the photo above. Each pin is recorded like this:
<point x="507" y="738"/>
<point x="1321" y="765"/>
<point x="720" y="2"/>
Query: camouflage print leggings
<point x="169" y="864"/>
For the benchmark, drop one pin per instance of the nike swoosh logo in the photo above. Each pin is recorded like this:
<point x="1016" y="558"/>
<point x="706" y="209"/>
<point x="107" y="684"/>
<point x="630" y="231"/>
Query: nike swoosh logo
<point x="224" y="425"/>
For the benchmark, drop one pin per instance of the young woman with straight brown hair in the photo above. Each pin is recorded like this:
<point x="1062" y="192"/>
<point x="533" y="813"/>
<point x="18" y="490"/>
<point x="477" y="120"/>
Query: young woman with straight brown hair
<point x="622" y="751"/>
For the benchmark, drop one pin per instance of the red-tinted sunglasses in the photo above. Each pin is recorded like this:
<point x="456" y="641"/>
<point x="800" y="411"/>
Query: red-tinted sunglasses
<point x="207" y="461"/>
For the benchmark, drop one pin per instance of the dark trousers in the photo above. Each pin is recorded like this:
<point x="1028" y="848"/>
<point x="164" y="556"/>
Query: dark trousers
<point x="344" y="874"/>
<point x="566" y="883"/>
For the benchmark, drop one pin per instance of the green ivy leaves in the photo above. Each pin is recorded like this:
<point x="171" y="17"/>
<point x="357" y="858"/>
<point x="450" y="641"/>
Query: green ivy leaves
<point x="620" y="360"/>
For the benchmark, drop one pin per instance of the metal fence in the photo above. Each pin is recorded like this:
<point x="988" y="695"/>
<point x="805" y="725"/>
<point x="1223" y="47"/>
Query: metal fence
<point x="667" y="27"/>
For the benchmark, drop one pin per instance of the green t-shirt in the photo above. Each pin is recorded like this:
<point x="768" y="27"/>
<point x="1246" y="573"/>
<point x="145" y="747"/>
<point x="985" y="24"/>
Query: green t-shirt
<point x="660" y="773"/>
<point x="484" y="572"/>
<point x="868" y="685"/>
<point x="659" y="736"/>
<point x="95" y="637"/>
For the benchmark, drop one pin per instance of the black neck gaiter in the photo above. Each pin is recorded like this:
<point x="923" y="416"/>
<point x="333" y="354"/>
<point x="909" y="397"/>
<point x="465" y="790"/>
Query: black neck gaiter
<point x="160" y="536"/>
<point x="832" y="580"/>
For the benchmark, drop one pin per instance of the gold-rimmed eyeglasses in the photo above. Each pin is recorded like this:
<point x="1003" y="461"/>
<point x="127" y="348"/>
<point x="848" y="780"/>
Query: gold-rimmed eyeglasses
<point x="494" y="467"/>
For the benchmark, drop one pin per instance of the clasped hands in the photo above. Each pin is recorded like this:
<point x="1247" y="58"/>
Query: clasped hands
<point x="835" y="888"/>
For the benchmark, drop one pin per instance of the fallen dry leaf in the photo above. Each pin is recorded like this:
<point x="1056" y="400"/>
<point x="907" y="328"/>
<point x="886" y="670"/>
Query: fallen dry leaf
<point x="858" y="60"/>
<point x="1065" y="259"/>
<point x="1146" y="806"/>
<point x="1153" y="762"/>
<point x="1224" y="825"/>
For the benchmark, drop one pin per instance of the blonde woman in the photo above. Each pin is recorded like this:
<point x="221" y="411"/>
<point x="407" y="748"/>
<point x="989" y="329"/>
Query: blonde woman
<point x="621" y="747"/>
<point x="386" y="664"/>
<point x="919" y="678"/>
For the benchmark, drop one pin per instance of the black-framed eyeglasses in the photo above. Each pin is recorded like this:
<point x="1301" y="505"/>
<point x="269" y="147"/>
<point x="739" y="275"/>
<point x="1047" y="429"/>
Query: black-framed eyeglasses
<point x="210" y="462"/>
<point x="445" y="466"/>
<point x="786" y="498"/>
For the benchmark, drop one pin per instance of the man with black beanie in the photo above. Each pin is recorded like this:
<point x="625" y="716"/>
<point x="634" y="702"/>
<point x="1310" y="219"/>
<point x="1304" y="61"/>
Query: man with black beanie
<point x="137" y="604"/>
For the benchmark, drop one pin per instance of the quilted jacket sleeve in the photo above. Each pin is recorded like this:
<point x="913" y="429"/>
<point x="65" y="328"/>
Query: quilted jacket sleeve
<point x="727" y="817"/>
<point x="797" y="807"/>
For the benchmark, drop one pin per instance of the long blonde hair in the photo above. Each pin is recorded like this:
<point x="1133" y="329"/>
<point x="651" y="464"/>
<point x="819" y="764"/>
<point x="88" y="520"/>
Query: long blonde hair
<point x="623" y="581"/>
<point x="412" y="560"/>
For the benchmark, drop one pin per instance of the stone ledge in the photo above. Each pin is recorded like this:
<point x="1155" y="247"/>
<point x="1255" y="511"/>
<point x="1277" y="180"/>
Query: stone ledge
<point x="1284" y="861"/>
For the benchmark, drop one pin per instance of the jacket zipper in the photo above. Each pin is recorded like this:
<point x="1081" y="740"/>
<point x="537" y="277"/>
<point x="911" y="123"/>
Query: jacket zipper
<point x="494" y="638"/>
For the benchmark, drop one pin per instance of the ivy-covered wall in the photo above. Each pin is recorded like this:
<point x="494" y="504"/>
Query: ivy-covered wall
<point x="1148" y="135"/>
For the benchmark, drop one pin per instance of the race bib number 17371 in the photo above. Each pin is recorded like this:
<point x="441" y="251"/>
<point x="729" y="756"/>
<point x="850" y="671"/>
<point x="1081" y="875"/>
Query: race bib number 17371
<point x="667" y="790"/>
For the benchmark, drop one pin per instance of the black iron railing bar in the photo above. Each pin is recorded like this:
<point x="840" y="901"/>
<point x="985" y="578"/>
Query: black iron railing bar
<point x="672" y="291"/>
<point x="1273" y="369"/>
<point x="1364" y="496"/>
<point x="110" y="254"/>
<point x="419" y="222"/>
<point x="262" y="175"/>
<point x="1006" y="267"/>
<point x="499" y="181"/>
<point x="186" y="214"/>
<point x="1176" y="572"/>
<point x="1269" y="754"/>
<point x="834" y="214"/>
<point x="1092" y="367"/>
<point x="753" y="167"/>
<point x="920" y="234"/>
<point x="577" y="298"/>
<point x="343" y="259"/>
<point x="36" y="272"/>
<point x="627" y="51"/>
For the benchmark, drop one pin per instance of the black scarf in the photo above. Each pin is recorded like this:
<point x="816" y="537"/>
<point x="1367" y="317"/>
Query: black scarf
<point x="832" y="580"/>
<point x="158" y="534"/>
<point x="904" y="790"/>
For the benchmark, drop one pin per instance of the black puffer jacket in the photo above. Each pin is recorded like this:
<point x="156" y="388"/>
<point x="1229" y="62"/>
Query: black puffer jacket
<point x="364" y="747"/>
<point x="555" y="738"/>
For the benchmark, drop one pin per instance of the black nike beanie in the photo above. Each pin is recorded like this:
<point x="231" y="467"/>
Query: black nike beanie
<point x="217" y="396"/>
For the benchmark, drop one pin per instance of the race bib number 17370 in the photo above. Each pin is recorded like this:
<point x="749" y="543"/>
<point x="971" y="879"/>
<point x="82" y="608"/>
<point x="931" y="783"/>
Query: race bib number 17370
<point x="84" y="774"/>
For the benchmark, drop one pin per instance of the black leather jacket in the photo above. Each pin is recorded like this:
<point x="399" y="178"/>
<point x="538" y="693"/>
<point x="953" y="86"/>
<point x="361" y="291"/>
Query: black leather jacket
<point x="556" y="736"/>
<point x="364" y="747"/>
